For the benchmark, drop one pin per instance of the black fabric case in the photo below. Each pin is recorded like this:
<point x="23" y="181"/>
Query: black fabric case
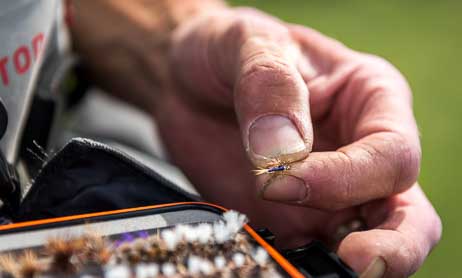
<point x="87" y="176"/>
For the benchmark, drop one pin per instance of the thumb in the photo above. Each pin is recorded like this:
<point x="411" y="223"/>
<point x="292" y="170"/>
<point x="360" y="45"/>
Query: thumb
<point x="272" y="100"/>
<point x="254" y="55"/>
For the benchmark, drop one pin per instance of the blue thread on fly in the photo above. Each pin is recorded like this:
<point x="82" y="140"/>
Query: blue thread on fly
<point x="277" y="168"/>
<point x="273" y="169"/>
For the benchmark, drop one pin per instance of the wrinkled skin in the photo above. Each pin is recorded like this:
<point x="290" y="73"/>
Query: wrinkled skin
<point x="353" y="110"/>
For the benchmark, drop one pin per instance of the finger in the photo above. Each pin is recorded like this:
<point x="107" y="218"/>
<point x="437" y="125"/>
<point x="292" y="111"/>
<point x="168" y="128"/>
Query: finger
<point x="271" y="99"/>
<point x="326" y="65"/>
<point x="400" y="243"/>
<point x="376" y="167"/>
<point x="254" y="56"/>
<point x="323" y="52"/>
<point x="374" y="112"/>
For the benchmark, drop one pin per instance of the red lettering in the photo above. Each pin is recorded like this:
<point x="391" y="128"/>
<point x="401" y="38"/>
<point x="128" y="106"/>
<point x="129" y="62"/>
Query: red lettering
<point x="22" y="59"/>
<point x="3" y="72"/>
<point x="21" y="66"/>
<point x="37" y="44"/>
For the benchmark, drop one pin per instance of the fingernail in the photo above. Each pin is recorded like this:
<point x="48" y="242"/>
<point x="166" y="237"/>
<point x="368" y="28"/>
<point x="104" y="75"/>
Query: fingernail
<point x="285" y="189"/>
<point x="376" y="269"/>
<point x="275" y="136"/>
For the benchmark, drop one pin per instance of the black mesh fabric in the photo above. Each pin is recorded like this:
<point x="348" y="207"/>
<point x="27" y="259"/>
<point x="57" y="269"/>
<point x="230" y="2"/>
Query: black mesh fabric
<point x="86" y="176"/>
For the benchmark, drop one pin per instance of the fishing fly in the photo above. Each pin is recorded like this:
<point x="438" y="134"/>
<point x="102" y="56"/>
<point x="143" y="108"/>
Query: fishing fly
<point x="277" y="168"/>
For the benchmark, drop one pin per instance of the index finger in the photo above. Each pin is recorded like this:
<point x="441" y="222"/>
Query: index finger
<point x="374" y="112"/>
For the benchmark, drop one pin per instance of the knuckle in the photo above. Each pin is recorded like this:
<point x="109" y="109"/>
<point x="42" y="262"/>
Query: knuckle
<point x="266" y="70"/>
<point x="346" y="193"/>
<point x="376" y="62"/>
<point x="407" y="166"/>
<point x="267" y="64"/>
<point x="377" y="75"/>
<point x="239" y="28"/>
<point x="343" y="195"/>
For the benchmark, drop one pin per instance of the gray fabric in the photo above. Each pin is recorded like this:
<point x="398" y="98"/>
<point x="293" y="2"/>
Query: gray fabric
<point x="106" y="119"/>
<point x="32" y="33"/>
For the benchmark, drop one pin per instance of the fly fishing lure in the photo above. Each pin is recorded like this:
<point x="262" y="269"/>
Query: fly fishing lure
<point x="276" y="168"/>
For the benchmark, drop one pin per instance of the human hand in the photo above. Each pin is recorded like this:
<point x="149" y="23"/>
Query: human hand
<point x="247" y="87"/>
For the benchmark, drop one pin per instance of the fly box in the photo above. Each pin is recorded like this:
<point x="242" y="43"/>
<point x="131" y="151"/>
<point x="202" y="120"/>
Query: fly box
<point x="187" y="239"/>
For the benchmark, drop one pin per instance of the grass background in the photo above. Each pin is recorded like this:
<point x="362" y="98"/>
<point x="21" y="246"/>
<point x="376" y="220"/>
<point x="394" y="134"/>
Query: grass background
<point x="424" y="40"/>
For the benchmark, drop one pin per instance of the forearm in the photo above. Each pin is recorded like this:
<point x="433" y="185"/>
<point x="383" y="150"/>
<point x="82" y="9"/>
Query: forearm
<point x="124" y="44"/>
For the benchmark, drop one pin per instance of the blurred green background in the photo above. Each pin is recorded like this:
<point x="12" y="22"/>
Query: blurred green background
<point x="424" y="40"/>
